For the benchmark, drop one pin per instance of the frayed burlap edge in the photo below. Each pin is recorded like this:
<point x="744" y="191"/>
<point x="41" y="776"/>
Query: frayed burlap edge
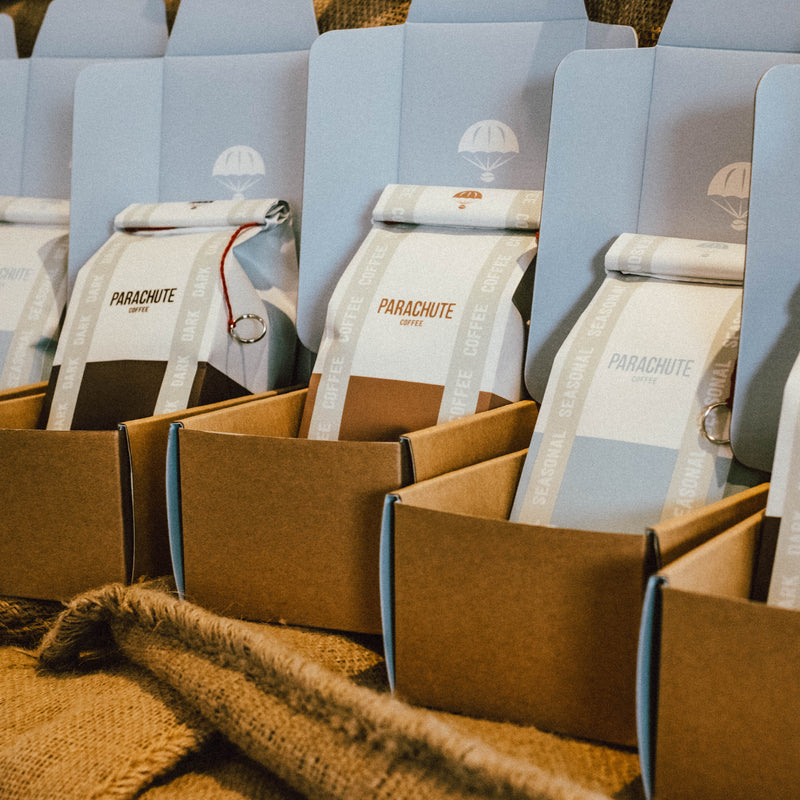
<point x="318" y="731"/>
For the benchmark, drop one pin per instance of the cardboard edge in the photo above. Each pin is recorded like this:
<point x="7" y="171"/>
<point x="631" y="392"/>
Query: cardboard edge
<point x="127" y="494"/>
<point x="479" y="437"/>
<point x="706" y="522"/>
<point x="647" y="673"/>
<point x="23" y="391"/>
<point x="602" y="36"/>
<point x="174" y="518"/>
<point x="386" y="581"/>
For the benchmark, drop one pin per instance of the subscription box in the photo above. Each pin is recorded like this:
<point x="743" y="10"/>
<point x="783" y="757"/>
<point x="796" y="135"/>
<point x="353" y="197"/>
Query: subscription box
<point x="537" y="625"/>
<point x="719" y="699"/>
<point x="267" y="526"/>
<point x="80" y="508"/>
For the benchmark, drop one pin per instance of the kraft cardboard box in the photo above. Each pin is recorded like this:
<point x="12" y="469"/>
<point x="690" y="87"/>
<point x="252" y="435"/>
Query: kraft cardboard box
<point x="81" y="508"/>
<point x="267" y="526"/>
<point x="719" y="700"/>
<point x="532" y="624"/>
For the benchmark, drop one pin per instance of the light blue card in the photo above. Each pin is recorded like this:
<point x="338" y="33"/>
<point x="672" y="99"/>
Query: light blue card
<point x="36" y="93"/>
<point x="457" y="96"/>
<point x="654" y="141"/>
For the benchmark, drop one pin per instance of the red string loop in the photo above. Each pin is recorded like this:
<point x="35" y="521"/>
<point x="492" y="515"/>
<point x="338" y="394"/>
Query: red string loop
<point x="234" y="237"/>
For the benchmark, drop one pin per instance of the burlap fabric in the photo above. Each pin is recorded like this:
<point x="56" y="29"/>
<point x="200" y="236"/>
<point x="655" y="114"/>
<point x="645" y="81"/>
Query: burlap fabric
<point x="137" y="694"/>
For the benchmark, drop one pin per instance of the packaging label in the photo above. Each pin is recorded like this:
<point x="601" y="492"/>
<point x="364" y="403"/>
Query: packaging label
<point x="643" y="362"/>
<point x="423" y="314"/>
<point x="150" y="307"/>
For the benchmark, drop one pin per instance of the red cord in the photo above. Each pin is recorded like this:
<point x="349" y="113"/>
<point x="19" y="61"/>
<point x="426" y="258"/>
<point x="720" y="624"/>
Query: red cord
<point x="234" y="237"/>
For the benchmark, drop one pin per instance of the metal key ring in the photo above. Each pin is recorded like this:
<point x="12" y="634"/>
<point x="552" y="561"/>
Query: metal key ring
<point x="704" y="419"/>
<point x="247" y="340"/>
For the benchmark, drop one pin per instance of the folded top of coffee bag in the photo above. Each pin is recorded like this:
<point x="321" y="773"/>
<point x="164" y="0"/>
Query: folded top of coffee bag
<point x="34" y="237"/>
<point x="422" y="327"/>
<point x="186" y="303"/>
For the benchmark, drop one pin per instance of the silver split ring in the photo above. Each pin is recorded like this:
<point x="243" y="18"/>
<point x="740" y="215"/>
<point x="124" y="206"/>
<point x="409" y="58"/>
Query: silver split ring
<point x="251" y="339"/>
<point x="707" y="411"/>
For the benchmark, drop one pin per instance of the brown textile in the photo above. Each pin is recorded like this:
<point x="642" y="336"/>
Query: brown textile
<point x="188" y="703"/>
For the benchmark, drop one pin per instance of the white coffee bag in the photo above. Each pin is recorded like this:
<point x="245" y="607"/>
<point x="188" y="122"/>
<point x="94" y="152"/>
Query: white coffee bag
<point x="185" y="304"/>
<point x="34" y="237"/>
<point x="631" y="429"/>
<point x="422" y="327"/>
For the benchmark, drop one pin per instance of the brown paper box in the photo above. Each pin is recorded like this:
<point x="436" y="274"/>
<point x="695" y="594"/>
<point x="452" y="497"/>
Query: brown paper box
<point x="280" y="528"/>
<point x="537" y="625"/>
<point x="726" y="716"/>
<point x="80" y="508"/>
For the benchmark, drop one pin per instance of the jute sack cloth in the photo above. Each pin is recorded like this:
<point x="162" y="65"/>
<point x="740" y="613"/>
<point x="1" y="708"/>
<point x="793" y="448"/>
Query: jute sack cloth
<point x="138" y="694"/>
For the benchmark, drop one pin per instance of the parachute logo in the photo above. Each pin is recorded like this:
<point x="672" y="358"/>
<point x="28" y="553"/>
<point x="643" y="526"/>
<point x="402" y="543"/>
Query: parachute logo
<point x="730" y="190"/>
<point x="466" y="197"/>
<point x="239" y="168"/>
<point x="488" y="144"/>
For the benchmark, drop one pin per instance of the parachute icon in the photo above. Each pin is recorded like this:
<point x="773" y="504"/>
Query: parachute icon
<point x="238" y="168"/>
<point x="466" y="197"/>
<point x="732" y="186"/>
<point x="488" y="144"/>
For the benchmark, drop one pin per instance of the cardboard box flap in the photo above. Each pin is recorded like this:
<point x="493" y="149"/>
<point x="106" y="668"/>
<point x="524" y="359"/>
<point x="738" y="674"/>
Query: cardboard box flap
<point x="723" y="565"/>
<point x="21" y="412"/>
<point x="8" y="39"/>
<point x="36" y="93"/>
<point x="656" y="141"/>
<point x="680" y="534"/>
<point x="228" y="417"/>
<point x="461" y="442"/>
<point x="391" y="126"/>
<point x="770" y="339"/>
<point x="464" y="491"/>
<point x="706" y="23"/>
<point x="282" y="419"/>
<point x="239" y="78"/>
<point x="144" y="443"/>
<point x="730" y="655"/>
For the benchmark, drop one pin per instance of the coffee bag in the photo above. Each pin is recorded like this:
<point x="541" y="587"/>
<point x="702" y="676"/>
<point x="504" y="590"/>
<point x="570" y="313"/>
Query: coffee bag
<point x="34" y="237"/>
<point x="185" y="304"/>
<point x="631" y="429"/>
<point x="422" y="327"/>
